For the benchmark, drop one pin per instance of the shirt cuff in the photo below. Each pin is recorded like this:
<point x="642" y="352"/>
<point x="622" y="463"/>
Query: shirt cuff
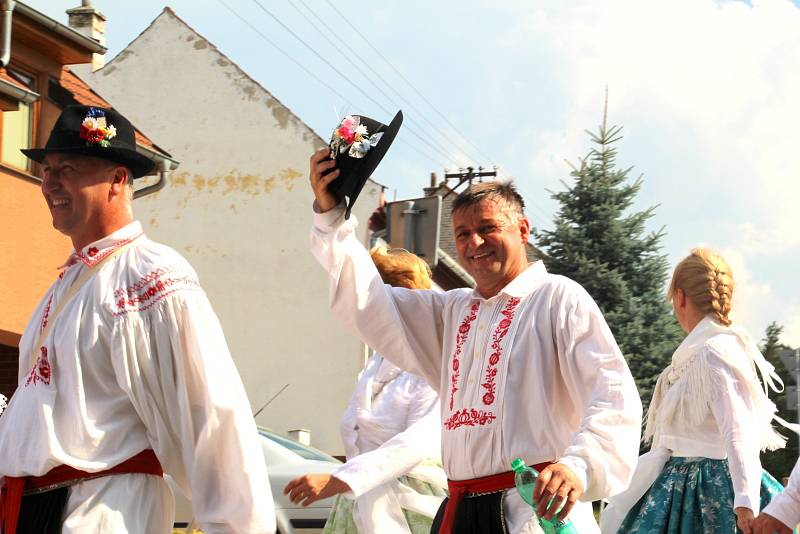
<point x="328" y="219"/>
<point x="784" y="509"/>
<point x="745" y="501"/>
<point x="579" y="467"/>
<point x="344" y="474"/>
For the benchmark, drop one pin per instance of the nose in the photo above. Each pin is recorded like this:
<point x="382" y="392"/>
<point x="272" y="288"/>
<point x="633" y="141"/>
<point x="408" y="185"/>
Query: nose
<point x="475" y="240"/>
<point x="50" y="182"/>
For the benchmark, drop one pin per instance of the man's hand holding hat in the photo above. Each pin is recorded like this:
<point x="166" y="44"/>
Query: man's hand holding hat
<point x="321" y="175"/>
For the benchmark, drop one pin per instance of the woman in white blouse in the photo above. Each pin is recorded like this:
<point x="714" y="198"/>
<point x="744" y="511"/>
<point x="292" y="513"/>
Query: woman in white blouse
<point x="708" y="420"/>
<point x="392" y="481"/>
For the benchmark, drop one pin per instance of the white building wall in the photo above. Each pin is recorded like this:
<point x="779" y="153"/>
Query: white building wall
<point x="239" y="209"/>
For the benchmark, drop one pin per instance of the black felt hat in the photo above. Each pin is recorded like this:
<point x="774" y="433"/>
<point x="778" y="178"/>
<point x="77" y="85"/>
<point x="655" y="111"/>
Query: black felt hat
<point x="97" y="132"/>
<point x="358" y="145"/>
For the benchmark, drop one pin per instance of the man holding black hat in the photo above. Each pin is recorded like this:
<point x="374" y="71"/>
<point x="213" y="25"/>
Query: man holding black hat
<point x="525" y="365"/>
<point x="124" y="370"/>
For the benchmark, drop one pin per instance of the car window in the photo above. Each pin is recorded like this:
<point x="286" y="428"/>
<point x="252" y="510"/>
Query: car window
<point x="304" y="451"/>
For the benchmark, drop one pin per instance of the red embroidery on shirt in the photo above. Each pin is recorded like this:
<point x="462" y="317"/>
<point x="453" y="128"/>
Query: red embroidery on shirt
<point x="46" y="313"/>
<point x="152" y="288"/>
<point x="461" y="337"/>
<point x="497" y="338"/>
<point x="469" y="417"/>
<point x="95" y="256"/>
<point x="40" y="371"/>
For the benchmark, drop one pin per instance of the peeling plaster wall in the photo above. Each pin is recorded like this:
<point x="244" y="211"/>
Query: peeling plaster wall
<point x="239" y="209"/>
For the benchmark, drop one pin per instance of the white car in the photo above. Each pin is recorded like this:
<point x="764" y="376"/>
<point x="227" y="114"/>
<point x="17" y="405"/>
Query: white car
<point x="286" y="460"/>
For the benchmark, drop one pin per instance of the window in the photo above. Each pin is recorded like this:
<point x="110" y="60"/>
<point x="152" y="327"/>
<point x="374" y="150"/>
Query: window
<point x="17" y="126"/>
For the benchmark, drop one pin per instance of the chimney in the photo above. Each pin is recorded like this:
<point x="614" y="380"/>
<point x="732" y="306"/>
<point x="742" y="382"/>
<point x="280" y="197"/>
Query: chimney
<point x="90" y="22"/>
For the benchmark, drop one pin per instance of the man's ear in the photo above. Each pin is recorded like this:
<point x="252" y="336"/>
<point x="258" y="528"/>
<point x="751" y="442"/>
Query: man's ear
<point x="122" y="178"/>
<point x="524" y="230"/>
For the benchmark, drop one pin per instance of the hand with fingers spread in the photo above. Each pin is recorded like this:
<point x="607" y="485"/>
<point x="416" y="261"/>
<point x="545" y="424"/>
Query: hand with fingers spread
<point x="320" y="175"/>
<point x="314" y="487"/>
<point x="766" y="524"/>
<point x="556" y="485"/>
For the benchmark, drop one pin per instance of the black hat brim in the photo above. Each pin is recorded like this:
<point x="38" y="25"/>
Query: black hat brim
<point x="353" y="179"/>
<point x="137" y="163"/>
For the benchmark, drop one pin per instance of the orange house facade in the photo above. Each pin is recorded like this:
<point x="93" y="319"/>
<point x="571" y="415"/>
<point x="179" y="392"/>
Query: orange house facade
<point x="35" y="85"/>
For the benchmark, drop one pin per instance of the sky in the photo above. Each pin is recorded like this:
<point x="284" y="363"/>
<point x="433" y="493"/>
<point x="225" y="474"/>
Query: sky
<point x="706" y="91"/>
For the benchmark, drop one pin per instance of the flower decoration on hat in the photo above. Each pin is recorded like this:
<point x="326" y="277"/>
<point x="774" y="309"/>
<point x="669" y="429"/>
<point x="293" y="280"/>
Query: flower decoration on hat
<point x="353" y="137"/>
<point x="95" y="130"/>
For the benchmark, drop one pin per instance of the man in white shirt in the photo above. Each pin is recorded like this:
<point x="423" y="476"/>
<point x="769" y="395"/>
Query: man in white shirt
<point x="525" y="364"/>
<point x="782" y="514"/>
<point x="124" y="371"/>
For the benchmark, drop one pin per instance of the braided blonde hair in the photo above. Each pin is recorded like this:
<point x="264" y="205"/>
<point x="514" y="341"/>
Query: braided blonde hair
<point x="401" y="268"/>
<point x="707" y="280"/>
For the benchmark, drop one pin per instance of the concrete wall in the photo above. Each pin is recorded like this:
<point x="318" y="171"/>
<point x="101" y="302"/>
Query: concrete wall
<point x="239" y="209"/>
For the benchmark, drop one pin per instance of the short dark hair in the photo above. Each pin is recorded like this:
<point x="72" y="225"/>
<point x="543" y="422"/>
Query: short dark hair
<point x="479" y="192"/>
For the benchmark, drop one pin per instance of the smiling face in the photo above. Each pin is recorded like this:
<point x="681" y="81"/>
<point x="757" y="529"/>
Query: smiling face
<point x="490" y="241"/>
<point x="83" y="195"/>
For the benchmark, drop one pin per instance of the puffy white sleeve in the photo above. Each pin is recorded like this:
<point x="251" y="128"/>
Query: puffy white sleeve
<point x="733" y="411"/>
<point x="404" y="325"/>
<point x="785" y="507"/>
<point x="173" y="362"/>
<point x="419" y="441"/>
<point x="605" y="448"/>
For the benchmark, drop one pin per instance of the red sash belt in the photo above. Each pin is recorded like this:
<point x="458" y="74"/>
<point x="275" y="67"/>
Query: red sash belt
<point x="490" y="484"/>
<point x="11" y="494"/>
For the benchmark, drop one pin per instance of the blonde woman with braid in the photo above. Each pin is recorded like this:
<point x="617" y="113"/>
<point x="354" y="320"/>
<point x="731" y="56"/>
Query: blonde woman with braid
<point x="708" y="420"/>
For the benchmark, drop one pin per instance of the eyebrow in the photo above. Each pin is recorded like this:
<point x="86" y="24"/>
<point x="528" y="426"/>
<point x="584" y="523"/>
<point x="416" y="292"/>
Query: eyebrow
<point x="480" y="223"/>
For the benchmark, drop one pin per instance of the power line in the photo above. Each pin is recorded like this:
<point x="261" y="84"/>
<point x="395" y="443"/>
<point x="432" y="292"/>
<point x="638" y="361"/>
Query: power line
<point x="311" y="73"/>
<point x="400" y="74"/>
<point x="377" y="75"/>
<point x="355" y="66"/>
<point x="348" y="80"/>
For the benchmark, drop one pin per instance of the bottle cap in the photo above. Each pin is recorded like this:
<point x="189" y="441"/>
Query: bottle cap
<point x="518" y="464"/>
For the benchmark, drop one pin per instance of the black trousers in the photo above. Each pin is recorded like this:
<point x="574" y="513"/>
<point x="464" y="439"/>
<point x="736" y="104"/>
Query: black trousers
<point x="480" y="514"/>
<point x="43" y="513"/>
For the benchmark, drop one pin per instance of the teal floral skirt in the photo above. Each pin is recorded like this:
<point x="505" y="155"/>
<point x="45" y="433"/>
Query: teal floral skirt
<point x="691" y="496"/>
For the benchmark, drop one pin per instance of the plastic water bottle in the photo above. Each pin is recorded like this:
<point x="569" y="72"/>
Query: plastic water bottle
<point x="525" y="480"/>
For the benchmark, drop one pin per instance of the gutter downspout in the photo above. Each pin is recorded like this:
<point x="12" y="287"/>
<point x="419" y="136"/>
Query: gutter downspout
<point x="6" y="9"/>
<point x="165" y="166"/>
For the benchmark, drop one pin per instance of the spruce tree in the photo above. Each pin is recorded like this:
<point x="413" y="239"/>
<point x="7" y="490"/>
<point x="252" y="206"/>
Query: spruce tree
<point x="779" y="463"/>
<point x="598" y="242"/>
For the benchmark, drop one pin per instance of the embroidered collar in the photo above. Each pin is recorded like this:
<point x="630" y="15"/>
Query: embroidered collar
<point x="92" y="253"/>
<point x="522" y="285"/>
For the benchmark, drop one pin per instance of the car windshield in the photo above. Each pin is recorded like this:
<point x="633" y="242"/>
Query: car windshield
<point x="304" y="451"/>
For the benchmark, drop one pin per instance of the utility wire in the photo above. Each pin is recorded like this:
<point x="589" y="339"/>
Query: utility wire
<point x="311" y="73"/>
<point x="369" y="79"/>
<point x="348" y="80"/>
<point x="388" y="85"/>
<point x="400" y="74"/>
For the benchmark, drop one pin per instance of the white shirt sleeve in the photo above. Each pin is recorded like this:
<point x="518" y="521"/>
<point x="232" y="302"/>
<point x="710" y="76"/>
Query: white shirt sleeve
<point x="404" y="325"/>
<point x="733" y="411"/>
<point x="785" y="507"/>
<point x="401" y="453"/>
<point x="605" y="448"/>
<point x="173" y="362"/>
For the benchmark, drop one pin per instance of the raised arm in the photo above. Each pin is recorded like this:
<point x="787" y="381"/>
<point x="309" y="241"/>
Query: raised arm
<point x="404" y="325"/>
<point x="174" y="363"/>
